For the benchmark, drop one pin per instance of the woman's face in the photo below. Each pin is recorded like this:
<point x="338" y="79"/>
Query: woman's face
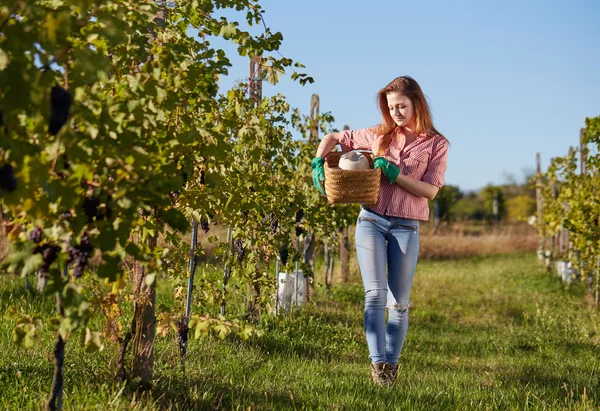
<point x="401" y="110"/>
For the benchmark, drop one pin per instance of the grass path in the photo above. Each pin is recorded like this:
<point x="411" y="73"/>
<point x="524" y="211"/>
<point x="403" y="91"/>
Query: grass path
<point x="485" y="333"/>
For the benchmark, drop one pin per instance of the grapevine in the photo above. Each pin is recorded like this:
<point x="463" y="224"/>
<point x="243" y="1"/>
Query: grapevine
<point x="570" y="202"/>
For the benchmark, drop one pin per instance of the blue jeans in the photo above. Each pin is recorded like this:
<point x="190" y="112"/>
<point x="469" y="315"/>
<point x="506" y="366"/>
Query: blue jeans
<point x="393" y="243"/>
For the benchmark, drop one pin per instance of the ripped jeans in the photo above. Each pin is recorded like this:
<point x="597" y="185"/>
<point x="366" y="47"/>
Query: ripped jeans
<point x="392" y="242"/>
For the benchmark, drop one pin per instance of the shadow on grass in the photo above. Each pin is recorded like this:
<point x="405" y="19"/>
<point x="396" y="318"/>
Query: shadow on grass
<point x="344" y="389"/>
<point x="270" y="345"/>
<point x="181" y="393"/>
<point x="566" y="378"/>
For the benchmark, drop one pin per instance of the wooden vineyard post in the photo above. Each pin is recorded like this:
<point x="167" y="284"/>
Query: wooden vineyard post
<point x="55" y="401"/>
<point x="593" y="275"/>
<point x="226" y="273"/>
<point x="254" y="290"/>
<point x="295" y="301"/>
<point x="42" y="281"/>
<point x="309" y="239"/>
<point x="144" y="286"/>
<point x="314" y="119"/>
<point x="540" y="209"/>
<point x="329" y="266"/>
<point x="329" y="263"/>
<point x="277" y="286"/>
<point x="565" y="238"/>
<point x="256" y="79"/>
<point x="183" y="326"/>
<point x="144" y="318"/>
<point x="344" y="255"/>
<point x="584" y="267"/>
<point x="553" y="193"/>
<point x="328" y="256"/>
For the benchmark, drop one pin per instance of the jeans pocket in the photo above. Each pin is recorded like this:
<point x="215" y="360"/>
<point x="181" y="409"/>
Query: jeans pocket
<point x="371" y="220"/>
<point x="412" y="228"/>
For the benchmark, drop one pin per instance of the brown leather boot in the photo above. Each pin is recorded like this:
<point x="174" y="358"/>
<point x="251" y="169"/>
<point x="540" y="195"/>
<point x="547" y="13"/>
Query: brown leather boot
<point x="378" y="373"/>
<point x="390" y="371"/>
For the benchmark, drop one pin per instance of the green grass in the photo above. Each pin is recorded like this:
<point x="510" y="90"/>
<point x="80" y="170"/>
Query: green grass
<point x="485" y="333"/>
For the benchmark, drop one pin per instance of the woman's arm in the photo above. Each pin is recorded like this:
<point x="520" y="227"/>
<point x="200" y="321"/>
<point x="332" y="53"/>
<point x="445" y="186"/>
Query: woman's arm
<point x="428" y="185"/>
<point x="328" y="143"/>
<point x="420" y="188"/>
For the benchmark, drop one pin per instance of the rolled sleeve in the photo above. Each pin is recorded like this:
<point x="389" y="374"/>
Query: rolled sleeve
<point x="357" y="139"/>
<point x="436" y="168"/>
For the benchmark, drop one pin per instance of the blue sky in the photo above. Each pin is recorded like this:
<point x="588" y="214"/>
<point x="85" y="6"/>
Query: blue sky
<point x="505" y="79"/>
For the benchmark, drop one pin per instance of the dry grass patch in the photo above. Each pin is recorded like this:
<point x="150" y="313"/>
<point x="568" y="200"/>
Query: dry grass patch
<point x="460" y="241"/>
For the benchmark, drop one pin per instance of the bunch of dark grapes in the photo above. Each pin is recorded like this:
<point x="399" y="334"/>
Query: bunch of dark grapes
<point x="204" y="225"/>
<point x="299" y="215"/>
<point x="80" y="255"/>
<point x="8" y="182"/>
<point x="36" y="235"/>
<point x="239" y="248"/>
<point x="60" y="102"/>
<point x="245" y="219"/>
<point x="202" y="180"/>
<point x="49" y="254"/>
<point x="299" y="231"/>
<point x="283" y="255"/>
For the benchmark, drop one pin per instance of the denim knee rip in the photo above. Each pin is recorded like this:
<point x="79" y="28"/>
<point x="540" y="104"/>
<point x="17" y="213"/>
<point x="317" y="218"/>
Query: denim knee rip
<point x="379" y="296"/>
<point x="398" y="307"/>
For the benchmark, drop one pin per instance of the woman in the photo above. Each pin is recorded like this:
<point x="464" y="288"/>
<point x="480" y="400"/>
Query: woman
<point x="412" y="156"/>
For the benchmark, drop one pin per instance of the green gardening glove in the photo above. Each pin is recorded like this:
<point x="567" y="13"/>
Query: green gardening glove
<point x="388" y="169"/>
<point x="318" y="173"/>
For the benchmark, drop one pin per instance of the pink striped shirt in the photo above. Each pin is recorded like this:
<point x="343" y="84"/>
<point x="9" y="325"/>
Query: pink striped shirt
<point x="424" y="159"/>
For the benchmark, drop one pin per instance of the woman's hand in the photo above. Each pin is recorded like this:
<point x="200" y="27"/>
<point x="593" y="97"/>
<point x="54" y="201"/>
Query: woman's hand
<point x="318" y="173"/>
<point x="325" y="146"/>
<point x="388" y="169"/>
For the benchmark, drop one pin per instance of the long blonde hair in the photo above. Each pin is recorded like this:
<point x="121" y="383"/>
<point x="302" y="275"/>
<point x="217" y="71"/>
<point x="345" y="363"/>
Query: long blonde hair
<point x="407" y="86"/>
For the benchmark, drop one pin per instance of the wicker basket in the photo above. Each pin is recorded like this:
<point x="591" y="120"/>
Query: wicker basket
<point x="350" y="186"/>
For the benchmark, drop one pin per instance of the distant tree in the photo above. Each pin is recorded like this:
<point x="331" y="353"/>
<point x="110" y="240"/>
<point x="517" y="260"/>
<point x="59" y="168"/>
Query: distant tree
<point x="446" y="198"/>
<point x="487" y="194"/>
<point x="520" y="207"/>
<point x="469" y="207"/>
